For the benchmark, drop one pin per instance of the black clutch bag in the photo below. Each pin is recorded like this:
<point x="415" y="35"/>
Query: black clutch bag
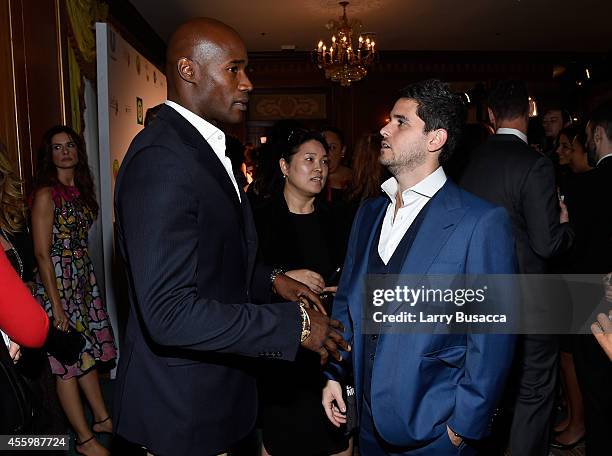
<point x="65" y="346"/>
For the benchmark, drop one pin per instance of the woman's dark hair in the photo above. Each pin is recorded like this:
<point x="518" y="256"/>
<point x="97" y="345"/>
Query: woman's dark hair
<point x="269" y="178"/>
<point x="287" y="148"/>
<point x="575" y="132"/>
<point x="46" y="175"/>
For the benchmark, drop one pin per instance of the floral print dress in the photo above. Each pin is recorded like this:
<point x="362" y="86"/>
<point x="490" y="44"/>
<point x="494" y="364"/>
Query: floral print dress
<point x="76" y="283"/>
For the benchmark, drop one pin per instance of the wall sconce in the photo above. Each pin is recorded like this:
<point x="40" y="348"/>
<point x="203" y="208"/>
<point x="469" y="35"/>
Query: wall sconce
<point x="533" y="108"/>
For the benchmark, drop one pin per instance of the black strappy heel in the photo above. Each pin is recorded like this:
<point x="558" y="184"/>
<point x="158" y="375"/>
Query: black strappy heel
<point x="78" y="444"/>
<point x="100" y="422"/>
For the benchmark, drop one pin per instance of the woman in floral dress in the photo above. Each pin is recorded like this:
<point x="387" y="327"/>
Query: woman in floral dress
<point x="63" y="209"/>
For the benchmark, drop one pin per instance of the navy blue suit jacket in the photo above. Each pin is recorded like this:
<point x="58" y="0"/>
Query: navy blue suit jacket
<point x="189" y="246"/>
<point x="422" y="382"/>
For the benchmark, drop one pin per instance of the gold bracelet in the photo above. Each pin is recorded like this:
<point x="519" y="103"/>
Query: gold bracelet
<point x="305" y="324"/>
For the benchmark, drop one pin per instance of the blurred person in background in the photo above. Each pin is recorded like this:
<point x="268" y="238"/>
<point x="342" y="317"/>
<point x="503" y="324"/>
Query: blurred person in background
<point x="339" y="175"/>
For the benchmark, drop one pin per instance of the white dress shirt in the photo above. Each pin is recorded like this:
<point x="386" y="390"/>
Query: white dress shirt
<point x="512" y="131"/>
<point x="213" y="136"/>
<point x="5" y="338"/>
<point x="600" y="160"/>
<point x="414" y="199"/>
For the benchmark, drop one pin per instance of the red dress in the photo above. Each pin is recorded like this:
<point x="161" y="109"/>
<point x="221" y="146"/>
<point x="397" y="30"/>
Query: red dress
<point x="21" y="317"/>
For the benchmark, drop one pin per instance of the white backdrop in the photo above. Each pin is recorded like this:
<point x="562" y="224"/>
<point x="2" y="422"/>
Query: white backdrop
<point x="128" y="84"/>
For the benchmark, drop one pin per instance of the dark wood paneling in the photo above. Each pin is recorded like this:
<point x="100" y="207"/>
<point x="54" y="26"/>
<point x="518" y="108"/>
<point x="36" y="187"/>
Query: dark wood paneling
<point x="42" y="69"/>
<point x="8" y="126"/>
<point x="32" y="96"/>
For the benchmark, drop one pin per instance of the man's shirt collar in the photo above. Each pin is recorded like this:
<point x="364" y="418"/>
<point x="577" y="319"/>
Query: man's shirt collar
<point x="512" y="131"/>
<point x="428" y="187"/>
<point x="211" y="134"/>
<point x="603" y="158"/>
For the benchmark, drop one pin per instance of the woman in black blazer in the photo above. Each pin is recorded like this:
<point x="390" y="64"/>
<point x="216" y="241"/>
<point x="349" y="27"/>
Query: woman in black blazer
<point x="297" y="233"/>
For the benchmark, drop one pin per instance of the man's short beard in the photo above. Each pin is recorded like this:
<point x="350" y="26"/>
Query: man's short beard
<point x="405" y="163"/>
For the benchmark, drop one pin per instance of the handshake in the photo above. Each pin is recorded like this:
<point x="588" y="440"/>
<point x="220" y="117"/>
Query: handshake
<point x="325" y="337"/>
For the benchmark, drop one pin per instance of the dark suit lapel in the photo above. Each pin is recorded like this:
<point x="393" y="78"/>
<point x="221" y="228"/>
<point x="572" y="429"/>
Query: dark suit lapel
<point x="204" y="153"/>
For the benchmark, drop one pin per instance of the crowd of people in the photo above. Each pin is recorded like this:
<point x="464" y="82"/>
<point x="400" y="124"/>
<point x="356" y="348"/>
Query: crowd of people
<point x="246" y="270"/>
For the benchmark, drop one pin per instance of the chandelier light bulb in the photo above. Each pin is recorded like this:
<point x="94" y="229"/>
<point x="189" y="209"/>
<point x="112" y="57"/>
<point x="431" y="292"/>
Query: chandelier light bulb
<point x="346" y="64"/>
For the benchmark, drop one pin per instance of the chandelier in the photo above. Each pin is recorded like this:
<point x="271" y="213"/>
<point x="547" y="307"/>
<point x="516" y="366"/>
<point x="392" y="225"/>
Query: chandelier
<point x="350" y="52"/>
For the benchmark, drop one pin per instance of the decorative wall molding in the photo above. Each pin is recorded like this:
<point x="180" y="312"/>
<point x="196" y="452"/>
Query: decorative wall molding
<point x="287" y="106"/>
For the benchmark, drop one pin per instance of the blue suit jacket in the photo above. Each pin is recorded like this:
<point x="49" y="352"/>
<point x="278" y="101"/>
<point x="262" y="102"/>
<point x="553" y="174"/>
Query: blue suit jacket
<point x="421" y="382"/>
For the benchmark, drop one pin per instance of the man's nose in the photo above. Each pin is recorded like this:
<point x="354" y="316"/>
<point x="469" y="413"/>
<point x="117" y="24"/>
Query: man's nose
<point x="245" y="84"/>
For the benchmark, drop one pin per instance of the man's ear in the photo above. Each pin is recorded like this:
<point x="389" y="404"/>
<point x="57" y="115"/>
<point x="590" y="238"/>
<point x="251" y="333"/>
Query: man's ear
<point x="436" y="140"/>
<point x="491" y="117"/>
<point x="186" y="69"/>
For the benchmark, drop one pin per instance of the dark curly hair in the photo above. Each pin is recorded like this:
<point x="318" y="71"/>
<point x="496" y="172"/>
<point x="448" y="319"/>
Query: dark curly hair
<point x="509" y="99"/>
<point x="439" y="108"/>
<point x="46" y="175"/>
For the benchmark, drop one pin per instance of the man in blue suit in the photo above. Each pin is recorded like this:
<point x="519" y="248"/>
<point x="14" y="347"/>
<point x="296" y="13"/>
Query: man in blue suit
<point x="422" y="393"/>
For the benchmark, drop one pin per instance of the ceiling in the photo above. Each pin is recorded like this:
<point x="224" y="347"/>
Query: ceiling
<point x="437" y="25"/>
